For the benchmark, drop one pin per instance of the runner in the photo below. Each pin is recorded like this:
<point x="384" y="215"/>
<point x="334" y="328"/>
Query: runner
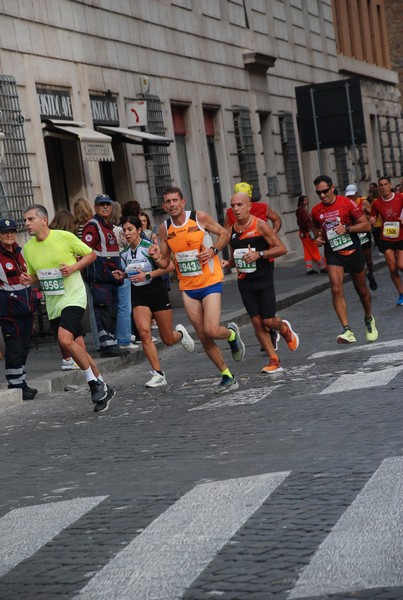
<point x="51" y="260"/>
<point x="187" y="235"/>
<point x="389" y="207"/>
<point x="254" y="245"/>
<point x="149" y="298"/>
<point x="340" y="220"/>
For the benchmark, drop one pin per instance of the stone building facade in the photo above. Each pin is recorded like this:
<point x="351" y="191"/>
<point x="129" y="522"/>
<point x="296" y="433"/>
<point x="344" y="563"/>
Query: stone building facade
<point x="125" y="97"/>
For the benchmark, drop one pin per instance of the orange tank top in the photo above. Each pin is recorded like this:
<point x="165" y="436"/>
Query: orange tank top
<point x="186" y="241"/>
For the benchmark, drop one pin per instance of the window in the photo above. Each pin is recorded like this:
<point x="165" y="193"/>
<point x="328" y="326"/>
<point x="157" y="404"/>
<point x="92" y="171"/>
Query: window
<point x="246" y="150"/>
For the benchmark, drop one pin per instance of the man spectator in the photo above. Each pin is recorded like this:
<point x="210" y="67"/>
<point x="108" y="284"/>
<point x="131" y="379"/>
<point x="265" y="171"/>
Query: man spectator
<point x="98" y="234"/>
<point x="17" y="303"/>
<point x="340" y="220"/>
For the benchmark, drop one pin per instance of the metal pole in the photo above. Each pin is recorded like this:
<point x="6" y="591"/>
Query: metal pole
<point x="350" y="118"/>
<point x="315" y="126"/>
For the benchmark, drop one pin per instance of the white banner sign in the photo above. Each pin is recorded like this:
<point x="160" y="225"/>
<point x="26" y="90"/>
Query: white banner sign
<point x="136" y="113"/>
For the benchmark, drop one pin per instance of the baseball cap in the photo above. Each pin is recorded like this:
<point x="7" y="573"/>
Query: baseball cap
<point x="7" y="225"/>
<point x="244" y="187"/>
<point x="103" y="199"/>
<point x="351" y="190"/>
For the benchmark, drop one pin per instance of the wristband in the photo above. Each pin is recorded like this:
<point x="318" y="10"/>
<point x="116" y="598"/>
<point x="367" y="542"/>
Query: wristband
<point x="347" y="228"/>
<point x="148" y="276"/>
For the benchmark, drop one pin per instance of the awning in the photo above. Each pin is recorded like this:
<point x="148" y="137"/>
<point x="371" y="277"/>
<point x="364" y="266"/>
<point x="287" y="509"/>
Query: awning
<point x="2" y="138"/>
<point x="94" y="145"/>
<point x="134" y="136"/>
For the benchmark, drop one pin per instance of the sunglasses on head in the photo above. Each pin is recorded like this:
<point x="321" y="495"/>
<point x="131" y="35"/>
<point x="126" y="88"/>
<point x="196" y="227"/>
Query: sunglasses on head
<point x="324" y="192"/>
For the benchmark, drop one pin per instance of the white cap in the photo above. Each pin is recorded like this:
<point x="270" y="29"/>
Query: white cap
<point x="351" y="190"/>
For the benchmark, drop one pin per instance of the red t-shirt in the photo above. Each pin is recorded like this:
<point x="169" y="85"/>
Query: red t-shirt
<point x="257" y="209"/>
<point x="343" y="211"/>
<point x="390" y="212"/>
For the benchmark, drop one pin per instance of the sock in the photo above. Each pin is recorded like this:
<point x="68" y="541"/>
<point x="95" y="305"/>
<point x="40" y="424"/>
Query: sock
<point x="232" y="336"/>
<point x="227" y="372"/>
<point x="160" y="373"/>
<point x="100" y="378"/>
<point x="346" y="327"/>
<point x="89" y="375"/>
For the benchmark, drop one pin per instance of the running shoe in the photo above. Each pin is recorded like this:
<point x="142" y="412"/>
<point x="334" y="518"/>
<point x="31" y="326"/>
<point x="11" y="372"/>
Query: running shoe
<point x="275" y="338"/>
<point x="226" y="384"/>
<point x="371" y="332"/>
<point x="130" y="346"/>
<point x="372" y="281"/>
<point x="324" y="270"/>
<point x="98" y="389"/>
<point x="114" y="351"/>
<point x="237" y="346"/>
<point x="186" y="341"/>
<point x="103" y="405"/>
<point x="274" y="366"/>
<point x="290" y="336"/>
<point x="312" y="272"/>
<point x="156" y="380"/>
<point x="69" y="364"/>
<point x="347" y="337"/>
<point x="400" y="300"/>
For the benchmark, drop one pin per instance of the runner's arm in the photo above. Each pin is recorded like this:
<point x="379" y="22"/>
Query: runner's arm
<point x="84" y="261"/>
<point x="274" y="218"/>
<point x="212" y="226"/>
<point x="161" y="254"/>
<point x="361" y="225"/>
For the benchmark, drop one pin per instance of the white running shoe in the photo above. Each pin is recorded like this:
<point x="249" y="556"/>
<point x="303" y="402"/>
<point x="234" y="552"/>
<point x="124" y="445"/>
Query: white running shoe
<point x="133" y="339"/>
<point x="156" y="380"/>
<point x="130" y="346"/>
<point x="69" y="364"/>
<point x="186" y="341"/>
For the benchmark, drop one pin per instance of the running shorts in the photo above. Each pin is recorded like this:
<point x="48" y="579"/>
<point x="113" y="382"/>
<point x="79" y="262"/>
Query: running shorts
<point x="352" y="263"/>
<point x="70" y="319"/>
<point x="258" y="296"/>
<point x="389" y="245"/>
<point x="201" y="293"/>
<point x="154" y="299"/>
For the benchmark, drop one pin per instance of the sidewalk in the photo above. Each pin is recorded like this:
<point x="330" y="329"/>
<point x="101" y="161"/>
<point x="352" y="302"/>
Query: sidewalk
<point x="44" y="363"/>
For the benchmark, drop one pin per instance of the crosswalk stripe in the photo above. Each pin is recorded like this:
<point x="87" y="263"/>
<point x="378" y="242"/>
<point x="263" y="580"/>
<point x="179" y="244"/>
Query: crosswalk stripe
<point x="354" y="348"/>
<point x="364" y="550"/>
<point x="173" y="550"/>
<point x="237" y="399"/>
<point x="24" y="530"/>
<point x="388" y="358"/>
<point x="362" y="380"/>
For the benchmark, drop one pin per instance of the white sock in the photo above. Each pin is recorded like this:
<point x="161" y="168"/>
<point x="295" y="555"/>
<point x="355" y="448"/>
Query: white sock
<point x="100" y="378"/>
<point x="89" y="375"/>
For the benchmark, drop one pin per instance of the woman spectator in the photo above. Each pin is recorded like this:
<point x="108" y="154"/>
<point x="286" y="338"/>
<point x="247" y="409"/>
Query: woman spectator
<point x="149" y="298"/>
<point x="145" y="224"/>
<point x="307" y="235"/>
<point x="83" y="212"/>
<point x="124" y="320"/>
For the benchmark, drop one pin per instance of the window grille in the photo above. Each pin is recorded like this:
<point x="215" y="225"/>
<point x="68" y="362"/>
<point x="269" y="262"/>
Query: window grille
<point x="290" y="154"/>
<point x="391" y="146"/>
<point x="156" y="157"/>
<point x="378" y="118"/>
<point x="399" y="144"/>
<point x="342" y="170"/>
<point x="15" y="180"/>
<point x="245" y="149"/>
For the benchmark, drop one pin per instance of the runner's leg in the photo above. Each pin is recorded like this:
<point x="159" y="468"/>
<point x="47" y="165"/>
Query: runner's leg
<point x="142" y="316"/>
<point x="362" y="290"/>
<point x="392" y="262"/>
<point x="165" y="324"/>
<point x="336" y="274"/>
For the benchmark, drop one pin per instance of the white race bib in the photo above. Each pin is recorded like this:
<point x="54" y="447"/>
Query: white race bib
<point x="337" y="241"/>
<point x="51" y="282"/>
<point x="241" y="265"/>
<point x="391" y="229"/>
<point x="188" y="263"/>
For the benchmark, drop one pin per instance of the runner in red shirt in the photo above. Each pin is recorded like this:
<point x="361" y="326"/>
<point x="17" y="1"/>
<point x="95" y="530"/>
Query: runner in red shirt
<point x="340" y="220"/>
<point x="389" y="207"/>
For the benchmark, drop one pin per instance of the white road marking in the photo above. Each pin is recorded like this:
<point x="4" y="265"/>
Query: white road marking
<point x="364" y="550"/>
<point x="362" y="380"/>
<point x="173" y="550"/>
<point x="238" y="398"/>
<point x="354" y="348"/>
<point x="24" y="530"/>
<point x="385" y="358"/>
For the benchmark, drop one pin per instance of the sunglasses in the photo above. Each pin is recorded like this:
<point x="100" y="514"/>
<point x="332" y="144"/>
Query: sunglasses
<point x="324" y="192"/>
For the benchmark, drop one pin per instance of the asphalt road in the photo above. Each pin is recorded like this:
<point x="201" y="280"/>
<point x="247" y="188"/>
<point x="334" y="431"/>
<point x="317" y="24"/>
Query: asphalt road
<point x="290" y="487"/>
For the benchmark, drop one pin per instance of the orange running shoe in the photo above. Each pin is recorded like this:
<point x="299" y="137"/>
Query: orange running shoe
<point x="274" y="366"/>
<point x="290" y="336"/>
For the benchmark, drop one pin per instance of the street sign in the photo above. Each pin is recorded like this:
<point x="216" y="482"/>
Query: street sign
<point x="136" y="113"/>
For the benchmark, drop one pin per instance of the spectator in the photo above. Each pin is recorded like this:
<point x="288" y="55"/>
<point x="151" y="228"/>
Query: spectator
<point x="145" y="225"/>
<point x="83" y="212"/>
<point x="98" y="235"/>
<point x="17" y="305"/>
<point x="307" y="235"/>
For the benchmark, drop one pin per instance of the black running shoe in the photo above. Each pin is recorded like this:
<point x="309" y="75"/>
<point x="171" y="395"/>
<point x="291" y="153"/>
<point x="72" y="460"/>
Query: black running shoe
<point x="372" y="281"/>
<point x="98" y="389"/>
<point x="114" y="351"/>
<point x="103" y="405"/>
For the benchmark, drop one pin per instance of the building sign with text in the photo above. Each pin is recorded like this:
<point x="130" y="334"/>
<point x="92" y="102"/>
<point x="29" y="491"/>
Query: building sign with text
<point x="54" y="104"/>
<point x="104" y="111"/>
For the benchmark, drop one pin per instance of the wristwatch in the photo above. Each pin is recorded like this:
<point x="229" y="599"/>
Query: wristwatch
<point x="347" y="228"/>
<point x="215" y="250"/>
<point x="261" y="253"/>
<point x="148" y="276"/>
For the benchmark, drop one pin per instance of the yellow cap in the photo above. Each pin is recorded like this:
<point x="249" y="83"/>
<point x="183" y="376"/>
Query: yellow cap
<point x="244" y="187"/>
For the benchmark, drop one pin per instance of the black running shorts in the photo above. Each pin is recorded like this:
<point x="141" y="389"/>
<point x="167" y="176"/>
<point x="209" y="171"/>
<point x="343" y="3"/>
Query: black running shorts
<point x="69" y="319"/>
<point x="258" y="295"/>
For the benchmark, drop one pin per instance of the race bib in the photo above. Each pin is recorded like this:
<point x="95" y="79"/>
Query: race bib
<point x="241" y="265"/>
<point x="363" y="238"/>
<point x="337" y="241"/>
<point x="133" y="267"/>
<point x="188" y="263"/>
<point x="391" y="229"/>
<point x="51" y="281"/>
